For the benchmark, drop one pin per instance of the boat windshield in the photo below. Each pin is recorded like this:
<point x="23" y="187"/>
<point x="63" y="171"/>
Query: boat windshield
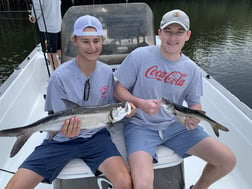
<point x="126" y="27"/>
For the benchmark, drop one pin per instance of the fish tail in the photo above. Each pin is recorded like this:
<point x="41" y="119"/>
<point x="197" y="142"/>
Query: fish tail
<point x="216" y="127"/>
<point x="21" y="139"/>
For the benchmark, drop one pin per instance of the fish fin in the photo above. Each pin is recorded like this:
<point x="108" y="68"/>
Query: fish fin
<point x="216" y="127"/>
<point x="21" y="139"/>
<point x="181" y="120"/>
<point x="52" y="134"/>
<point x="69" y="103"/>
<point x="216" y="131"/>
<point x="180" y="117"/>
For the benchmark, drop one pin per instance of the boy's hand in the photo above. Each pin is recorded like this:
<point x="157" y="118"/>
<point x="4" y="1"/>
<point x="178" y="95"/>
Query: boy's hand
<point x="71" y="127"/>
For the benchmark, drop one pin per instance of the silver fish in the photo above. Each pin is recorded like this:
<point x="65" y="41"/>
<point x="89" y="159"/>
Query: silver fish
<point x="181" y="112"/>
<point x="92" y="117"/>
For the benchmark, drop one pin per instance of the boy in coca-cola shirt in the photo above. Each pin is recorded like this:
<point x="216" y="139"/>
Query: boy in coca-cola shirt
<point x="154" y="72"/>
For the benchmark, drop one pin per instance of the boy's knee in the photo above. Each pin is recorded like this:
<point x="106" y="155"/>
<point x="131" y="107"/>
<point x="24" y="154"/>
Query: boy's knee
<point x="123" y="182"/>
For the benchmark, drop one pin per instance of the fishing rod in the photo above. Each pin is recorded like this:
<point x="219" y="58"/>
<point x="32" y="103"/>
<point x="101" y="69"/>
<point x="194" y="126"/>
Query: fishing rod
<point x="47" y="41"/>
<point x="46" y="61"/>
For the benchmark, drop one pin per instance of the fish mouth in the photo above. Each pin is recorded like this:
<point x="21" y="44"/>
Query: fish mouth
<point x="163" y="101"/>
<point x="119" y="112"/>
<point x="124" y="107"/>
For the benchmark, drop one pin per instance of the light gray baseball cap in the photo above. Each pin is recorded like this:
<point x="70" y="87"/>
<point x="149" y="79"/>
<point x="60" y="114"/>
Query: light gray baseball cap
<point x="87" y="21"/>
<point x="175" y="16"/>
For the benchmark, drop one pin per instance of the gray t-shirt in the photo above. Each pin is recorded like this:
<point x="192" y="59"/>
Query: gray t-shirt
<point x="151" y="76"/>
<point x="68" y="82"/>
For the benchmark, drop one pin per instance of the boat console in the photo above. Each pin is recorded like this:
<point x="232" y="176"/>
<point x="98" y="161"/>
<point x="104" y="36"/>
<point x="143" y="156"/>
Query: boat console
<point x="126" y="27"/>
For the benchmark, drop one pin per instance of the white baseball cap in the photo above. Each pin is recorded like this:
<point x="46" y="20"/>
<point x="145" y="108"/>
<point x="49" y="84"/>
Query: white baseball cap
<point x="87" y="21"/>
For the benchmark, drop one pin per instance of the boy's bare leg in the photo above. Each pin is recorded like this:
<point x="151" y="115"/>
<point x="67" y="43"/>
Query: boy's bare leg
<point x="53" y="60"/>
<point x="24" y="179"/>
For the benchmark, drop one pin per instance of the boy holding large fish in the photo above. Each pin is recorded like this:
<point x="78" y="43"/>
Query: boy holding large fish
<point x="156" y="72"/>
<point x="87" y="82"/>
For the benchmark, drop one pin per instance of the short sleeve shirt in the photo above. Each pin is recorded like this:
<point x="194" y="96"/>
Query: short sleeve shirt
<point x="68" y="82"/>
<point x="151" y="76"/>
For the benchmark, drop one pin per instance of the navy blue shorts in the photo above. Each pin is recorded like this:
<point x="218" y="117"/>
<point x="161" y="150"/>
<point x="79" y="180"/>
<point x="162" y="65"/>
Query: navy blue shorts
<point x="50" y="157"/>
<point x="53" y="42"/>
<point x="175" y="137"/>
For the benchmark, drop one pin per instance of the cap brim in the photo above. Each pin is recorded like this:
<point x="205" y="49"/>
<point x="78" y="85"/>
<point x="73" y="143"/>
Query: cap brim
<point x="174" y="22"/>
<point x="88" y="33"/>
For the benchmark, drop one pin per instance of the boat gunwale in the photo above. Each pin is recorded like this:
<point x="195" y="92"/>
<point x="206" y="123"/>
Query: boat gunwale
<point x="18" y="70"/>
<point x="230" y="96"/>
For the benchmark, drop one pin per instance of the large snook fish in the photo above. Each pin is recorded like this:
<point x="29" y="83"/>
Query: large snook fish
<point x="182" y="112"/>
<point x="92" y="117"/>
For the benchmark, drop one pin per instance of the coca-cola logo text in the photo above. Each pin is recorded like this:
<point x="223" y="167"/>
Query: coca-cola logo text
<point x="173" y="78"/>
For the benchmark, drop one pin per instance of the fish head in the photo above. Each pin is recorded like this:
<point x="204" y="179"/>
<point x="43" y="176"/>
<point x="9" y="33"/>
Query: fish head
<point x="120" y="111"/>
<point x="168" y="106"/>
